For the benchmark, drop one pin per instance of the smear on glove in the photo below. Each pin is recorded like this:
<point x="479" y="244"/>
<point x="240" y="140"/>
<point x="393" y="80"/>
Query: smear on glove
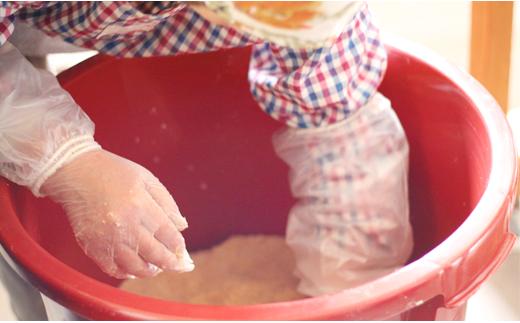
<point x="242" y="270"/>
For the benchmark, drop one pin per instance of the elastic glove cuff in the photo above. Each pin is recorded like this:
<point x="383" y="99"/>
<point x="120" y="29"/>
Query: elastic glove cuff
<point x="67" y="152"/>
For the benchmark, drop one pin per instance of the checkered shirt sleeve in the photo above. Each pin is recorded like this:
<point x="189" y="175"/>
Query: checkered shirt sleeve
<point x="298" y="87"/>
<point x="6" y="20"/>
<point x="126" y="30"/>
<point x="316" y="88"/>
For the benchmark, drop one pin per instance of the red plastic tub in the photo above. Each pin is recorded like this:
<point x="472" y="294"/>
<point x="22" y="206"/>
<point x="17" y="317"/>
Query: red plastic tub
<point x="192" y="121"/>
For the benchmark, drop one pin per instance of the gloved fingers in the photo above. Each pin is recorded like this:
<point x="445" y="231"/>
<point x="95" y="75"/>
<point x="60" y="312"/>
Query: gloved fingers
<point x="116" y="272"/>
<point x="174" y="240"/>
<point x="129" y="262"/>
<point x="100" y="251"/>
<point x="120" y="274"/>
<point x="164" y="230"/>
<point x="166" y="233"/>
<point x="166" y="202"/>
<point x="171" y="238"/>
<point x="153" y="251"/>
<point x="153" y="217"/>
<point x="150" y="218"/>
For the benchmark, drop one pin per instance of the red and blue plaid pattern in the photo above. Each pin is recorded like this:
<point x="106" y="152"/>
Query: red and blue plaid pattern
<point x="315" y="88"/>
<point x="300" y="88"/>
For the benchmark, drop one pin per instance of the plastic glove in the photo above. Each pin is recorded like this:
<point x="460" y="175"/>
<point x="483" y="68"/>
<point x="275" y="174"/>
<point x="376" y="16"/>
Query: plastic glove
<point x="350" y="224"/>
<point x="108" y="199"/>
<point x="41" y="127"/>
<point x="122" y="216"/>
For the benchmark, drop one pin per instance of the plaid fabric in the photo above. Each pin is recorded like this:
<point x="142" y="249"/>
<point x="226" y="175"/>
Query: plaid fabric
<point x="300" y="88"/>
<point x="314" y="88"/>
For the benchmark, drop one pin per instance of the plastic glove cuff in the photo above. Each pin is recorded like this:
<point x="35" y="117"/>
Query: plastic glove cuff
<point x="66" y="153"/>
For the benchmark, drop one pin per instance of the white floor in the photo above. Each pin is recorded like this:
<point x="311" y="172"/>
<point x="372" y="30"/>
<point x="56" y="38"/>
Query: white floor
<point x="499" y="298"/>
<point x="6" y="314"/>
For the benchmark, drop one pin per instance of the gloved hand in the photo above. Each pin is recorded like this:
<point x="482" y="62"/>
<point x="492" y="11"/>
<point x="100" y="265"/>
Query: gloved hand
<point x="350" y="224"/>
<point x="122" y="216"/>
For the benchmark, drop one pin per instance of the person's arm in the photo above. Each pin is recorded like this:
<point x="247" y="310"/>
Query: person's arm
<point x="122" y="216"/>
<point x="41" y="127"/>
<point x="347" y="153"/>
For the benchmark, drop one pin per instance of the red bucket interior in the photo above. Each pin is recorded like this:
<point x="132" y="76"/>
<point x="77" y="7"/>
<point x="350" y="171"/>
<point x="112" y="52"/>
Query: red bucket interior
<point x="192" y="121"/>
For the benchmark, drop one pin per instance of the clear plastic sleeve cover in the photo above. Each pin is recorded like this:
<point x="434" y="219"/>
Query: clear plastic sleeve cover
<point x="351" y="220"/>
